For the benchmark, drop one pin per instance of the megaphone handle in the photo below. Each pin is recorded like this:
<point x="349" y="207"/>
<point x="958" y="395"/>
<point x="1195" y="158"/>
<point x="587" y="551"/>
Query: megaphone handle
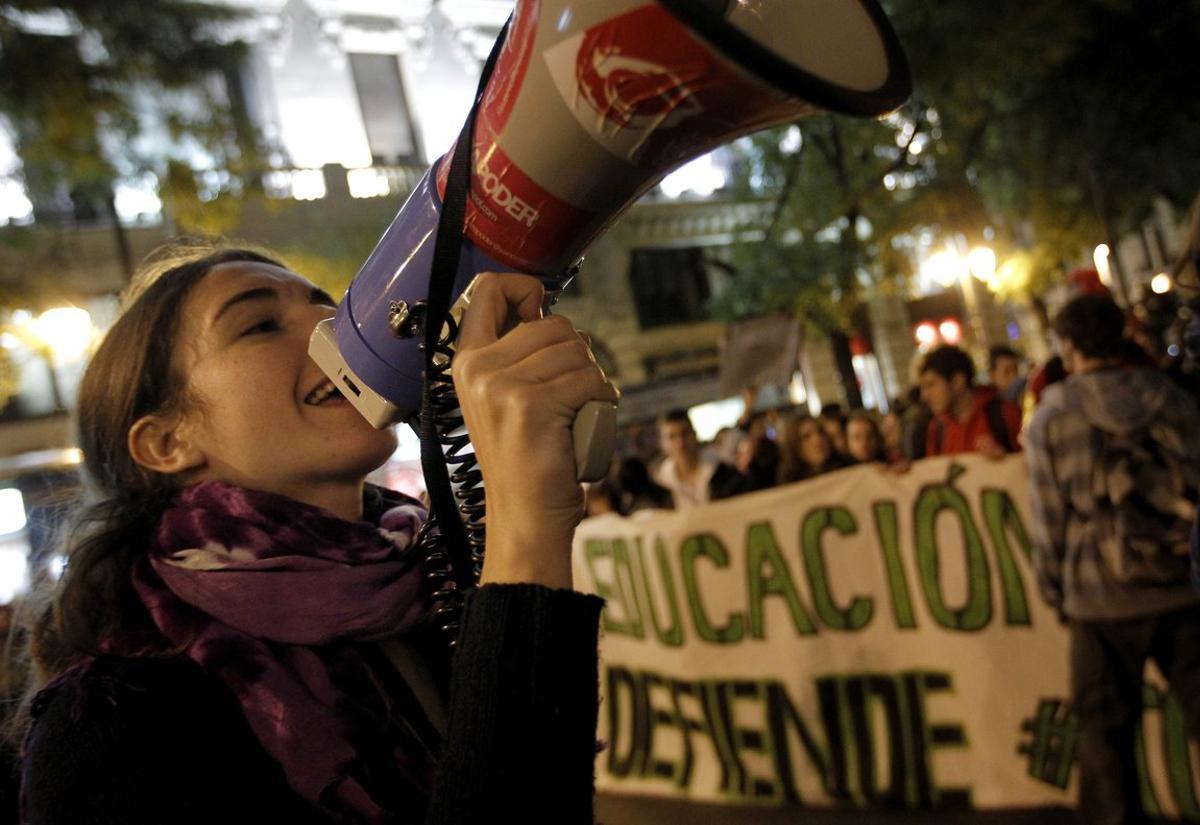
<point x="594" y="432"/>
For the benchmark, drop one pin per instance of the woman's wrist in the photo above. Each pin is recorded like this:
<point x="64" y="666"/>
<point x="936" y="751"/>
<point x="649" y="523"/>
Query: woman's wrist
<point x="531" y="556"/>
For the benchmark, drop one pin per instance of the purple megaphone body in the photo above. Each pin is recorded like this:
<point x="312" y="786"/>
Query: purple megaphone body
<point x="371" y="349"/>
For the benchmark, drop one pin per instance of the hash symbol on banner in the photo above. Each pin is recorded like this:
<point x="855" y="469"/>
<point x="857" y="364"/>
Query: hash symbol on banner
<point x="1053" y="742"/>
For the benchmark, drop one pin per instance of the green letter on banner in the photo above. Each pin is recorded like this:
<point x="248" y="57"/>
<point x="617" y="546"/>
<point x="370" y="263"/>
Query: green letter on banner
<point x="761" y="548"/>
<point x="673" y="634"/>
<point x="889" y="543"/>
<point x="1001" y="516"/>
<point x="709" y="546"/>
<point x="615" y="591"/>
<point x="977" y="612"/>
<point x="860" y="610"/>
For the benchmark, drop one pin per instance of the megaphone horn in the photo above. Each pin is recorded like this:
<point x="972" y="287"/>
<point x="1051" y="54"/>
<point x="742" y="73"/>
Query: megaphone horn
<point x="589" y="106"/>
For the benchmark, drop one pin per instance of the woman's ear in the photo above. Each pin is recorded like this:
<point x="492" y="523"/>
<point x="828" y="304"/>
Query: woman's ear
<point x="160" y="443"/>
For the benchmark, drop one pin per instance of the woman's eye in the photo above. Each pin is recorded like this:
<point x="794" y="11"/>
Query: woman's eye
<point x="265" y="325"/>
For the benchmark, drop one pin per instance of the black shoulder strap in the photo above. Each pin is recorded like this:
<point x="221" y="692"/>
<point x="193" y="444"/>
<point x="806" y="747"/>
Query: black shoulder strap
<point x="443" y="273"/>
<point x="996" y="423"/>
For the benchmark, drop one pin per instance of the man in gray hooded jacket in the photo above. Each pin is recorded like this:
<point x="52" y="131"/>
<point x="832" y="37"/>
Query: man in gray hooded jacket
<point x="1124" y="593"/>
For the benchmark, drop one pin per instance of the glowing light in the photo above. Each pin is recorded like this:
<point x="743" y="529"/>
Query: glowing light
<point x="701" y="176"/>
<point x="946" y="267"/>
<point x="14" y="573"/>
<point x="926" y="333"/>
<point x="367" y="183"/>
<point x="1100" y="257"/>
<point x="12" y="510"/>
<point x="982" y="262"/>
<point x="67" y="331"/>
<point x="308" y="184"/>
<point x="135" y="203"/>
<point x="710" y="417"/>
<point x="797" y="392"/>
<point x="15" y="206"/>
<point x="951" y="331"/>
<point x="1160" y="283"/>
<point x="792" y="140"/>
<point x="56" y="565"/>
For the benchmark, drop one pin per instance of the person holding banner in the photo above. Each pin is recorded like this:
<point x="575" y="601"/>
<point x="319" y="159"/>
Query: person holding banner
<point x="691" y="475"/>
<point x="864" y="439"/>
<point x="242" y="633"/>
<point x="807" y="451"/>
<point x="1114" y="455"/>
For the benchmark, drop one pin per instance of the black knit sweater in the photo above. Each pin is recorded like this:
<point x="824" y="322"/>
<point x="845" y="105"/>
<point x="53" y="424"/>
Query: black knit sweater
<point x="166" y="743"/>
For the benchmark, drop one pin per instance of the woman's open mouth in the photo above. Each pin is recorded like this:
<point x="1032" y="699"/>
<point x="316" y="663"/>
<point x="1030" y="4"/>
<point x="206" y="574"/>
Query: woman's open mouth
<point x="325" y="393"/>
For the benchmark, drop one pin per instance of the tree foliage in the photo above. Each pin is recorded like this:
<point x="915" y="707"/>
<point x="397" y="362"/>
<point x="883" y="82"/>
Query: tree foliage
<point x="1051" y="125"/>
<point x="98" y="91"/>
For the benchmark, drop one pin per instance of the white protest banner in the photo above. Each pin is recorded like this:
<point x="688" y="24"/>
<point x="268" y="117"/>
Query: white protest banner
<point x="862" y="638"/>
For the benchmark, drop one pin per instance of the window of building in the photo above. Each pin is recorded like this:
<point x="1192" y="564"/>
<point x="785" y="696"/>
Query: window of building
<point x="385" y="110"/>
<point x="670" y="286"/>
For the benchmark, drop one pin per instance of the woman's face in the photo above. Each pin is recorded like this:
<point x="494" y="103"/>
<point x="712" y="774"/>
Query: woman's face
<point x="860" y="436"/>
<point x="744" y="454"/>
<point x="893" y="430"/>
<point x="814" y="444"/>
<point x="261" y="414"/>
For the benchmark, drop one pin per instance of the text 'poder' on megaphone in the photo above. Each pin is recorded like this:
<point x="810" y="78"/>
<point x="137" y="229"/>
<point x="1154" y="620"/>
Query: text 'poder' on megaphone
<point x="591" y="104"/>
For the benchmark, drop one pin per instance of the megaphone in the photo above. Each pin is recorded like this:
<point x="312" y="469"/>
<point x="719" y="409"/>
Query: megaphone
<point x="590" y="105"/>
<point x="584" y="106"/>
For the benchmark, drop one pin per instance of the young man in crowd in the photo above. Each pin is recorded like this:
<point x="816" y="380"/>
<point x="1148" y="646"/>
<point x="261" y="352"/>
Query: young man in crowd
<point x="686" y="471"/>
<point x="1004" y="373"/>
<point x="966" y="418"/>
<point x="1114" y="455"/>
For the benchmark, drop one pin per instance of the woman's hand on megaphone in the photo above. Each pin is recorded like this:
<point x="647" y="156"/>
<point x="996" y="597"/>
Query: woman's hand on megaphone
<point x="520" y="390"/>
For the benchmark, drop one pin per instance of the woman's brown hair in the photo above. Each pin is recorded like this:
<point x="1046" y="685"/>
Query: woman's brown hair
<point x="131" y="375"/>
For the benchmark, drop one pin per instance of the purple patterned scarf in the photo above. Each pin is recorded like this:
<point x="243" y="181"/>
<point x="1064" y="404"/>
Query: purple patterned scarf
<point x="272" y="596"/>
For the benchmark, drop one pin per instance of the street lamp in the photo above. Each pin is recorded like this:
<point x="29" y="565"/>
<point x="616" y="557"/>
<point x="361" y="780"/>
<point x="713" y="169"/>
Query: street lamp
<point x="65" y="331"/>
<point x="946" y="267"/>
<point x="926" y="333"/>
<point x="1100" y="257"/>
<point x="949" y="267"/>
<point x="982" y="262"/>
<point x="950" y="331"/>
<point x="61" y="336"/>
<point x="1160" y="284"/>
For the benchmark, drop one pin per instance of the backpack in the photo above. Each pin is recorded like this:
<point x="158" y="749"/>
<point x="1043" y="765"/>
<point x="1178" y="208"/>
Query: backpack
<point x="1145" y="494"/>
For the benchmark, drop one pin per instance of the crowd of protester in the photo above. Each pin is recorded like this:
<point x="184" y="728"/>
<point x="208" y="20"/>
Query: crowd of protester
<point x="1110" y="428"/>
<point x="664" y="465"/>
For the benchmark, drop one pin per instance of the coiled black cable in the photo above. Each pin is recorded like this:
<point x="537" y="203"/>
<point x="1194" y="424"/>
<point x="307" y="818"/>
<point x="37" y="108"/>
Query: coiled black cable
<point x="452" y="559"/>
<point x="444" y="583"/>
